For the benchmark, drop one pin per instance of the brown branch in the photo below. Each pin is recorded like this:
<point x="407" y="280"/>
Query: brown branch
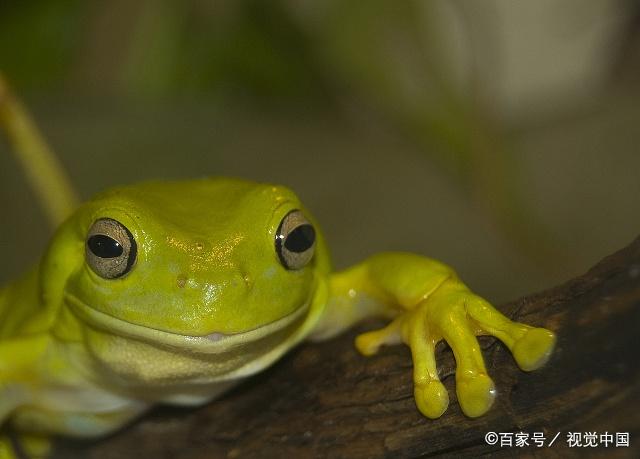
<point x="325" y="400"/>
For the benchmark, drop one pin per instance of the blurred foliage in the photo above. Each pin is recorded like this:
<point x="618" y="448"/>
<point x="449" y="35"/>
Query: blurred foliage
<point x="157" y="49"/>
<point x="388" y="57"/>
<point x="387" y="54"/>
<point x="38" y="41"/>
<point x="244" y="48"/>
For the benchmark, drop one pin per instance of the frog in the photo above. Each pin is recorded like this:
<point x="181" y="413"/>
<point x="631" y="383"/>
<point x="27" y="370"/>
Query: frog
<point x="172" y="292"/>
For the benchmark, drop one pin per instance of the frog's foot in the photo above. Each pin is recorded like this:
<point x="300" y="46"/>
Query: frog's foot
<point x="431" y="396"/>
<point x="531" y="347"/>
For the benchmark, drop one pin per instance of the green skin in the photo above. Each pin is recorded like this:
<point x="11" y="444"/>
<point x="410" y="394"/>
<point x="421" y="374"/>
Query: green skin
<point x="209" y="302"/>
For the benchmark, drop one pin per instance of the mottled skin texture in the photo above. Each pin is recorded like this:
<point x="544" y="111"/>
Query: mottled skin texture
<point x="209" y="302"/>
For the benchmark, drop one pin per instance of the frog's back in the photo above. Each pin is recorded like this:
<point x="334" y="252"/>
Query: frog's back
<point x="19" y="305"/>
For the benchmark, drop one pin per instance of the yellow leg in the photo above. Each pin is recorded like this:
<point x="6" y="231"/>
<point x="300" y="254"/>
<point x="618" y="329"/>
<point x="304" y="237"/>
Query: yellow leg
<point x="531" y="347"/>
<point x="41" y="166"/>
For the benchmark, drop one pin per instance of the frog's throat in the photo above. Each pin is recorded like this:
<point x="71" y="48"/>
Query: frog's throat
<point x="211" y="343"/>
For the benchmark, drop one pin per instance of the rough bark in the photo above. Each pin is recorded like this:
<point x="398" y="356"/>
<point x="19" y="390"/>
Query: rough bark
<point x="325" y="400"/>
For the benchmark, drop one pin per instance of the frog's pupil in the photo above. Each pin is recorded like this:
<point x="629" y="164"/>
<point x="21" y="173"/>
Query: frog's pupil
<point x="104" y="247"/>
<point x="300" y="239"/>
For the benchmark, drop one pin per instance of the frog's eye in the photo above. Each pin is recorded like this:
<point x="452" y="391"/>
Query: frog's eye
<point x="110" y="248"/>
<point x="295" y="240"/>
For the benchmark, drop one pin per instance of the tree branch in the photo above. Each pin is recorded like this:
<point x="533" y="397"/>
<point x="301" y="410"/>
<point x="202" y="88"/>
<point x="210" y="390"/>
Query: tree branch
<point x="325" y="400"/>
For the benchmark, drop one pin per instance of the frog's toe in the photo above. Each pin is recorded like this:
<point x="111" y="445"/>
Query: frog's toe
<point x="368" y="343"/>
<point x="534" y="348"/>
<point x="432" y="399"/>
<point x="475" y="393"/>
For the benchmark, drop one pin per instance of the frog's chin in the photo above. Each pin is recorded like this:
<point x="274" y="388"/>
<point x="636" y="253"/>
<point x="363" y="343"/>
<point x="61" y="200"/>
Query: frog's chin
<point x="211" y="343"/>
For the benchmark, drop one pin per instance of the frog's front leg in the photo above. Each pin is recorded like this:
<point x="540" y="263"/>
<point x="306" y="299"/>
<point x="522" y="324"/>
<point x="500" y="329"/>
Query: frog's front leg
<point x="8" y="403"/>
<point x="18" y="362"/>
<point x="33" y="446"/>
<point x="6" y="448"/>
<point x="427" y="303"/>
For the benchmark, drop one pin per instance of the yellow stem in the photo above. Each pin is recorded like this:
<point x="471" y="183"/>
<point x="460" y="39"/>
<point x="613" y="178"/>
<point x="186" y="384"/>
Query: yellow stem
<point x="41" y="166"/>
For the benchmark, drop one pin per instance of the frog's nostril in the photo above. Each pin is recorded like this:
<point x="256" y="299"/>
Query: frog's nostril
<point x="181" y="281"/>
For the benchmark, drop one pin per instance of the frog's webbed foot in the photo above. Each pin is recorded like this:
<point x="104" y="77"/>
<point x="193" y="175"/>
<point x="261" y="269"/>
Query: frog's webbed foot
<point x="420" y="329"/>
<point x="430" y="394"/>
<point x="457" y="316"/>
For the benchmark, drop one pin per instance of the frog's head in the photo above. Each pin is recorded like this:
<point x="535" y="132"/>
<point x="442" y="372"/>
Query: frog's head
<point x="189" y="264"/>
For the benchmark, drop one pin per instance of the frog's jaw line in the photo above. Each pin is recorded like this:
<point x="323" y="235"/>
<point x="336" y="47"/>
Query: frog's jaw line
<point x="208" y="344"/>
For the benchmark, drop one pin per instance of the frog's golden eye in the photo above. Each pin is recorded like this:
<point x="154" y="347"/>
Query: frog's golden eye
<point x="110" y="249"/>
<point x="295" y="240"/>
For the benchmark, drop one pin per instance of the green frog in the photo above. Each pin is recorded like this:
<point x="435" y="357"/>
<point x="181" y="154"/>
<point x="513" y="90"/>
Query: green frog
<point x="172" y="292"/>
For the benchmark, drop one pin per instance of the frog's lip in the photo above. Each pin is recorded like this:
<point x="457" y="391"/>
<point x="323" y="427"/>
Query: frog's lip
<point x="211" y="343"/>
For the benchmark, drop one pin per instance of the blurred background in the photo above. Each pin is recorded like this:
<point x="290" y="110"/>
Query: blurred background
<point x="501" y="137"/>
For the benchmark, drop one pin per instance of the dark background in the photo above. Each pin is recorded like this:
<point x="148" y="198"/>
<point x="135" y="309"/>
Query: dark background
<point x="500" y="137"/>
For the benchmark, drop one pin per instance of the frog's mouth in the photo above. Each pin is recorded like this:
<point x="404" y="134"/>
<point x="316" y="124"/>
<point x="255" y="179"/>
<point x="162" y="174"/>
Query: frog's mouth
<point x="211" y="343"/>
